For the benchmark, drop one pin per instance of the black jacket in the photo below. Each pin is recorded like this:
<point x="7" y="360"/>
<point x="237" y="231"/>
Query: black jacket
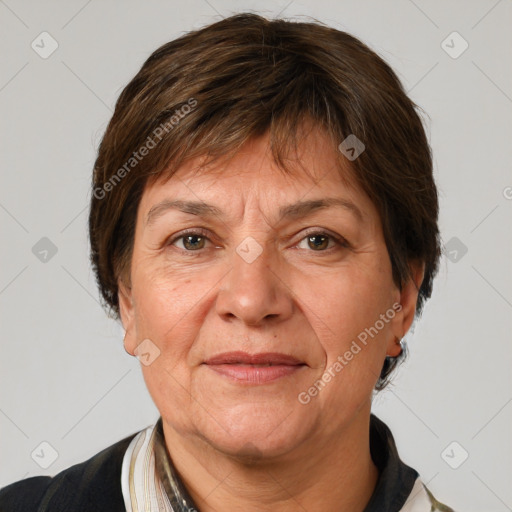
<point x="92" y="486"/>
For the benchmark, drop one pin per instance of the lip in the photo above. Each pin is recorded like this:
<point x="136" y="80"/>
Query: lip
<point x="273" y="358"/>
<point x="254" y="368"/>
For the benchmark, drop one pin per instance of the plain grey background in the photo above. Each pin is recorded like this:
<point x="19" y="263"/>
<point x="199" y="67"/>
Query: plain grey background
<point x="65" y="377"/>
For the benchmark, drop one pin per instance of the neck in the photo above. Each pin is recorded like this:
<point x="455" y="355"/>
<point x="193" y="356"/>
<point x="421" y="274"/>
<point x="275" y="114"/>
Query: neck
<point x="332" y="474"/>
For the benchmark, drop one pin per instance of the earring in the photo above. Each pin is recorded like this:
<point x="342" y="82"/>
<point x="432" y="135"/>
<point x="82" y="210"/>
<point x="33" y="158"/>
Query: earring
<point x="402" y="344"/>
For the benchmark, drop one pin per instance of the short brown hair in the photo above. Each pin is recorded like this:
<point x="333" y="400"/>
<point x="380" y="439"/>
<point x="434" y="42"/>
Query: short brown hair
<point x="209" y="91"/>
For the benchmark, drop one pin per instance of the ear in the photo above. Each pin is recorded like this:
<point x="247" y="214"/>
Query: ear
<point x="406" y="310"/>
<point x="127" y="313"/>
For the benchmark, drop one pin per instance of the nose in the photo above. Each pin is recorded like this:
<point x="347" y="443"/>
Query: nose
<point x="254" y="292"/>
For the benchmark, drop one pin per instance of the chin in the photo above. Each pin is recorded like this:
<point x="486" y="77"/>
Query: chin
<point x="252" y="433"/>
<point x="252" y="451"/>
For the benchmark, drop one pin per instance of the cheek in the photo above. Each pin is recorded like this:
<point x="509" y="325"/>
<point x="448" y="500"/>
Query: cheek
<point x="164" y="308"/>
<point x="166" y="311"/>
<point x="351" y="302"/>
<point x="354" y="338"/>
<point x="161" y="298"/>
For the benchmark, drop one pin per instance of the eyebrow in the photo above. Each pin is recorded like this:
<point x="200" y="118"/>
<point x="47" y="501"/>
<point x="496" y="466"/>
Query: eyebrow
<point x="295" y="210"/>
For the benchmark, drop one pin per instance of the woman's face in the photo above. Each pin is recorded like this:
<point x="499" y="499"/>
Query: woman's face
<point x="255" y="274"/>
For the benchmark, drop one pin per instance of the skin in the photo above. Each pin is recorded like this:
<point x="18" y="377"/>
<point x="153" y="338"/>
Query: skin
<point x="256" y="447"/>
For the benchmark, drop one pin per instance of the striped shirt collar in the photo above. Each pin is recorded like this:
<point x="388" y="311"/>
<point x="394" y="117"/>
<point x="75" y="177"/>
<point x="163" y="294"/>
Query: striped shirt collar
<point x="150" y="483"/>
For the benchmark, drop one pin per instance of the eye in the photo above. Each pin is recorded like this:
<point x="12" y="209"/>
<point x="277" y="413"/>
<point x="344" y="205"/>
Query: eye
<point x="318" y="241"/>
<point x="193" y="240"/>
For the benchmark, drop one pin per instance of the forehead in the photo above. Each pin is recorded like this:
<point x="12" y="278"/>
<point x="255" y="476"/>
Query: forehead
<point x="251" y="178"/>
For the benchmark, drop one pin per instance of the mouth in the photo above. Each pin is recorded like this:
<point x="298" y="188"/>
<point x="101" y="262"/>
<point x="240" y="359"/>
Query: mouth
<point x="256" y="368"/>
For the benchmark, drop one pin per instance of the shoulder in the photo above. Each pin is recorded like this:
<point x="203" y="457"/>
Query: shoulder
<point x="24" y="495"/>
<point x="91" y="485"/>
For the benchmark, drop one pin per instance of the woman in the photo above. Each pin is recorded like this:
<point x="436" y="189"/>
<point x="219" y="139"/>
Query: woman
<point x="264" y="223"/>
